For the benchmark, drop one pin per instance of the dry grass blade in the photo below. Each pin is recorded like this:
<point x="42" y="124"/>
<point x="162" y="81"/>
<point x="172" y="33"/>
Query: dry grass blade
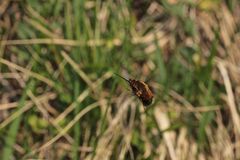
<point x="38" y="104"/>
<point x="3" y="6"/>
<point x="58" y="41"/>
<point x="68" y="147"/>
<point x="28" y="72"/>
<point x="40" y="27"/>
<point x="187" y="104"/>
<point x="107" y="141"/>
<point x="70" y="108"/>
<point x="78" y="70"/>
<point x="8" y="105"/>
<point x="163" y="123"/>
<point x="182" y="147"/>
<point x="46" y="115"/>
<point x="66" y="129"/>
<point x="15" y="115"/>
<point x="231" y="100"/>
<point x="80" y="98"/>
<point x="85" y="143"/>
<point x="175" y="107"/>
<point x="35" y="14"/>
<point x="45" y="97"/>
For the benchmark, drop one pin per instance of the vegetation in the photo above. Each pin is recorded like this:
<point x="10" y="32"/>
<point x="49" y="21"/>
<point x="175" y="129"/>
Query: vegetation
<point x="60" y="99"/>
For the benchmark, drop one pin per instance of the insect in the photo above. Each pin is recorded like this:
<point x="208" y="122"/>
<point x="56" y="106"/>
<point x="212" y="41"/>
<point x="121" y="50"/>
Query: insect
<point x="141" y="90"/>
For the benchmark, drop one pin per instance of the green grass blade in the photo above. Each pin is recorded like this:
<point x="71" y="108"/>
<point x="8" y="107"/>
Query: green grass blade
<point x="14" y="127"/>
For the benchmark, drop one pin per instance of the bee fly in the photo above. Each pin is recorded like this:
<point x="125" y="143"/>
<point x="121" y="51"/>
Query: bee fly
<point x="141" y="90"/>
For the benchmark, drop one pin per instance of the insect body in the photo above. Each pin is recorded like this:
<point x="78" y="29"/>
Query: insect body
<point x="141" y="90"/>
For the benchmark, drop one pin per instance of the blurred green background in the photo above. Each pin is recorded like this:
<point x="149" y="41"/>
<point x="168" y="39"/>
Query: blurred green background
<point x="60" y="99"/>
